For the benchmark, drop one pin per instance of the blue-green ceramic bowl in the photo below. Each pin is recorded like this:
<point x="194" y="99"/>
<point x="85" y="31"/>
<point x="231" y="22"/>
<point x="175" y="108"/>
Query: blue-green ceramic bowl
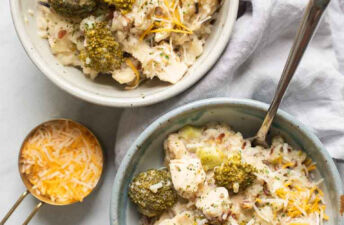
<point x="242" y="115"/>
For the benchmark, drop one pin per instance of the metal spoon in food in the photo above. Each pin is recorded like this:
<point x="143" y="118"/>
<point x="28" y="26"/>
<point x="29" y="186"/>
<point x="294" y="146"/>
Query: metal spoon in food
<point x="306" y="30"/>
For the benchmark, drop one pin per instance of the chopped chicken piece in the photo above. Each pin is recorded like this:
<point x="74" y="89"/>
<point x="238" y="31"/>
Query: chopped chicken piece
<point x="174" y="147"/>
<point x="124" y="76"/>
<point x="173" y="72"/>
<point x="187" y="176"/>
<point x="185" y="218"/>
<point x="214" y="203"/>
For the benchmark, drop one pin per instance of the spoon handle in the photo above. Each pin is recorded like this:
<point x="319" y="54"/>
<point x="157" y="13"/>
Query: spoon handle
<point x="306" y="30"/>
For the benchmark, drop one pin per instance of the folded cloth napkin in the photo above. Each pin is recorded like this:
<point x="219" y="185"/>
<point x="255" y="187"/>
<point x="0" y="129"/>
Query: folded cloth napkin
<point x="251" y="67"/>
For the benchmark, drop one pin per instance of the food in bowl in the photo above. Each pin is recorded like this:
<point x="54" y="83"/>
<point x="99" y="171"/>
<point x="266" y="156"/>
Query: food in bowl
<point x="152" y="192"/>
<point x="220" y="178"/>
<point x="62" y="161"/>
<point x="130" y="40"/>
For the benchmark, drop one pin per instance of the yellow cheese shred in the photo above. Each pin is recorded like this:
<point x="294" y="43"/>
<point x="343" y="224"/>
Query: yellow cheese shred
<point x="62" y="161"/>
<point x="137" y="74"/>
<point x="172" y="18"/>
<point x="170" y="30"/>
<point x="301" y="200"/>
<point x="147" y="31"/>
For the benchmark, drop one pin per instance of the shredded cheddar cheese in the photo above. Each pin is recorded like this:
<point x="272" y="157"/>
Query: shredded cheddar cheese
<point x="62" y="161"/>
<point x="169" y="30"/>
<point x="311" y="167"/>
<point x="288" y="164"/>
<point x="170" y="22"/>
<point x="144" y="34"/>
<point x="137" y="74"/>
<point x="301" y="200"/>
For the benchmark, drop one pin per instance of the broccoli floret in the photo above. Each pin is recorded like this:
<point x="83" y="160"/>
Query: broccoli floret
<point x="210" y="157"/>
<point x="73" y="8"/>
<point x="102" y="52"/>
<point x="123" y="5"/>
<point x="152" y="192"/>
<point x="234" y="174"/>
<point x="190" y="132"/>
<point x="102" y="9"/>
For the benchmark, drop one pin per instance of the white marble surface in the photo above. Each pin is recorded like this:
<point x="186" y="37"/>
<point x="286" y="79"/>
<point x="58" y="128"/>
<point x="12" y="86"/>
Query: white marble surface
<point x="28" y="98"/>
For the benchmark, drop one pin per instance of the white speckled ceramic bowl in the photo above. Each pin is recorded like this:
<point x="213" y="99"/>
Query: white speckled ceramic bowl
<point x="242" y="115"/>
<point x="104" y="91"/>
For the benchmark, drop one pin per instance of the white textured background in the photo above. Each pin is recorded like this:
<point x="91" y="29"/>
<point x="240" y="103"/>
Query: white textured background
<point x="28" y="98"/>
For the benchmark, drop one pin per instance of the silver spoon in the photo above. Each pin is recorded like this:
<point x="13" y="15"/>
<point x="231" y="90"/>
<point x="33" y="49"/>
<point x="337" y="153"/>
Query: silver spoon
<point x="306" y="30"/>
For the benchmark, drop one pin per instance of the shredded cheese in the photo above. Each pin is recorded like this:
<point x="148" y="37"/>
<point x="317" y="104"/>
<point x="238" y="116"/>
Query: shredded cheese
<point x="62" y="161"/>
<point x="301" y="200"/>
<point x="137" y="74"/>
<point x="288" y="164"/>
<point x="144" y="34"/>
<point x="171" y="22"/>
<point x="169" y="30"/>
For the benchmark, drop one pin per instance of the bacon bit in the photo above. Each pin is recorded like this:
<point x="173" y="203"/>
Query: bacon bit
<point x="196" y="8"/>
<point x="266" y="162"/>
<point x="281" y="149"/>
<point x="110" y="16"/>
<point x="244" y="145"/>
<point x="61" y="34"/>
<point x="220" y="137"/>
<point x="272" y="150"/>
<point x="158" y="11"/>
<point x="275" y="167"/>
<point x="341" y="205"/>
<point x="265" y="189"/>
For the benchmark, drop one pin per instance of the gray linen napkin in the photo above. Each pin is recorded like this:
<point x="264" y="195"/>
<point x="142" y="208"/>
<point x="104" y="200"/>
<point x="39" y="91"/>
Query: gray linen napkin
<point x="251" y="67"/>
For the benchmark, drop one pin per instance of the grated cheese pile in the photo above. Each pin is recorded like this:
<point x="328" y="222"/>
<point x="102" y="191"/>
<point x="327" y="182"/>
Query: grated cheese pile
<point x="62" y="161"/>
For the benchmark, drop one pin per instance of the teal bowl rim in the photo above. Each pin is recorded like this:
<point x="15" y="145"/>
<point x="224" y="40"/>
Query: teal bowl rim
<point x="116" y="192"/>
